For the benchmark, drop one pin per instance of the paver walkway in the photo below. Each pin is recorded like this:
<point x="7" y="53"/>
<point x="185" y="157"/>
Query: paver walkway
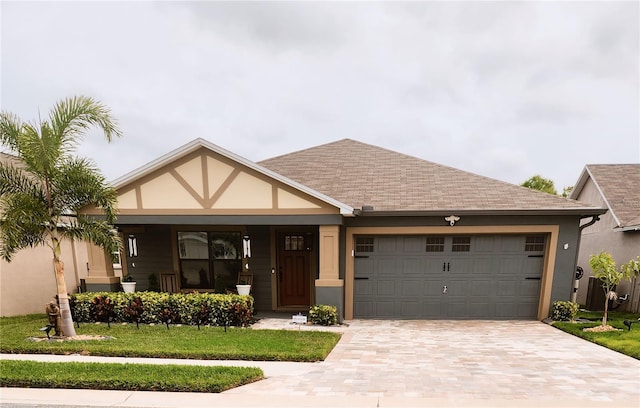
<point x="512" y="360"/>
<point x="415" y="363"/>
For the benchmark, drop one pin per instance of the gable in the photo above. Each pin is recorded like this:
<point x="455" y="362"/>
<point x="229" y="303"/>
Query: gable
<point x="205" y="182"/>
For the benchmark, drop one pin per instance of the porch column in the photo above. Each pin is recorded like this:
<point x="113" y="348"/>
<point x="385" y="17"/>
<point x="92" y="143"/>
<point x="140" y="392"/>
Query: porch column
<point x="101" y="276"/>
<point x="329" y="286"/>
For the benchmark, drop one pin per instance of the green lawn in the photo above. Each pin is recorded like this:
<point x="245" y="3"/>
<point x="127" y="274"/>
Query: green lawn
<point x="208" y="343"/>
<point x="130" y="377"/>
<point x="623" y="341"/>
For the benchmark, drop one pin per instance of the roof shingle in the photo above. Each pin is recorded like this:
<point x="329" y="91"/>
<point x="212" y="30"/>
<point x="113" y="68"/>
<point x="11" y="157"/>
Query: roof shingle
<point x="619" y="185"/>
<point x="359" y="174"/>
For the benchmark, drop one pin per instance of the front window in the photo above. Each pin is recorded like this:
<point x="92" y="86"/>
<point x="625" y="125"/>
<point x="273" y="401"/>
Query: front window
<point x="209" y="260"/>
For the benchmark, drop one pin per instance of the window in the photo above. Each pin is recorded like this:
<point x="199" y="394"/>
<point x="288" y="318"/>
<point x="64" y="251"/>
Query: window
<point x="364" y="244"/>
<point x="209" y="260"/>
<point x="461" y="244"/>
<point x="534" y="244"/>
<point x="435" y="244"/>
<point x="298" y="242"/>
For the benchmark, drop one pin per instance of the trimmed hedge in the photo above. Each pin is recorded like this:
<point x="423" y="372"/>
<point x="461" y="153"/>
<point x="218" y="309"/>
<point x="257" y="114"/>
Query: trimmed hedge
<point x="564" y="311"/>
<point x="325" y="315"/>
<point x="166" y="308"/>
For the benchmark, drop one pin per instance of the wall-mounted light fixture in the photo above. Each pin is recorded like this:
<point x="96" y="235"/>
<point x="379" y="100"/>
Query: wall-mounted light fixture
<point x="246" y="246"/>
<point x="452" y="219"/>
<point x="133" y="246"/>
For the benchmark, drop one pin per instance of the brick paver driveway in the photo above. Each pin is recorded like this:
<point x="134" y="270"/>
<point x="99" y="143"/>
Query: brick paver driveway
<point x="464" y="360"/>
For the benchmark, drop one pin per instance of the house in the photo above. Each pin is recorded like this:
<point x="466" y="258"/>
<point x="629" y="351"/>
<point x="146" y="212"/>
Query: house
<point x="28" y="282"/>
<point x="377" y="233"/>
<point x="617" y="188"/>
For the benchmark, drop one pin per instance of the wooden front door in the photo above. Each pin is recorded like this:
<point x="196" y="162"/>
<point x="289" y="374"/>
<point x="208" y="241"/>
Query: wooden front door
<point x="293" y="269"/>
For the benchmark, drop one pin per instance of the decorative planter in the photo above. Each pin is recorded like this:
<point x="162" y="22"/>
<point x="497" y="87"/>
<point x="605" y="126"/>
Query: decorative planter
<point x="128" y="287"/>
<point x="243" y="289"/>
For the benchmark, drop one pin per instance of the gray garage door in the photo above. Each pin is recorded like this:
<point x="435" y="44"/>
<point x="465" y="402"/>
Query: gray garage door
<point x="448" y="277"/>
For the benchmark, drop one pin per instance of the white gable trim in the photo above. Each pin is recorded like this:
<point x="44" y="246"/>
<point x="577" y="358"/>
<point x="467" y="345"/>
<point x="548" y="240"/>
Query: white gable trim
<point x="196" y="144"/>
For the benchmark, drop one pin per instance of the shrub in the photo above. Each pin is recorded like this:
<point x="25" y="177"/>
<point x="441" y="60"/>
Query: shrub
<point x="325" y="315"/>
<point x="185" y="308"/>
<point x="564" y="311"/>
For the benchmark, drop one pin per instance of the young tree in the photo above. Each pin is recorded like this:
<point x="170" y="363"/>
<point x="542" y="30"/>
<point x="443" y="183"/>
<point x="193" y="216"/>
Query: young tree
<point x="604" y="269"/>
<point x="540" y="183"/>
<point x="40" y="197"/>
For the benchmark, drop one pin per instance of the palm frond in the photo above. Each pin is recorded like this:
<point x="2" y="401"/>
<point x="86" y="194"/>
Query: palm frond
<point x="10" y="125"/>
<point x="14" y="179"/>
<point x="23" y="222"/>
<point x="80" y="184"/>
<point x="97" y="232"/>
<point x="71" y="116"/>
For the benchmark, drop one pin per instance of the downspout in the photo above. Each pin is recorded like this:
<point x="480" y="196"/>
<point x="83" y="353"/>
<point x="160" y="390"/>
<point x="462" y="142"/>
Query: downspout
<point x="594" y="219"/>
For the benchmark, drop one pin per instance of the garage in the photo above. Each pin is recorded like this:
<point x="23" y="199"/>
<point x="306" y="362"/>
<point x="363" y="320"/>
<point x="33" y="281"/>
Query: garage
<point x="448" y="276"/>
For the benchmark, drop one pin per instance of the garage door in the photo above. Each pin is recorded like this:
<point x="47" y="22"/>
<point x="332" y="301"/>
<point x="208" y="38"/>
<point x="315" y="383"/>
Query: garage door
<point x="448" y="277"/>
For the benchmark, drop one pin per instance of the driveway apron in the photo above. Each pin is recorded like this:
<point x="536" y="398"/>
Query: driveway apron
<point x="470" y="360"/>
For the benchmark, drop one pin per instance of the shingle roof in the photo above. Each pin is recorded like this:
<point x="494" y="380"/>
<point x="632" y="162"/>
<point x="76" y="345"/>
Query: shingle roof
<point x="360" y="174"/>
<point x="619" y="185"/>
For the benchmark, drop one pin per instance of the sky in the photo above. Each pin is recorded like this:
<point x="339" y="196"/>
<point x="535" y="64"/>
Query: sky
<point x="502" y="89"/>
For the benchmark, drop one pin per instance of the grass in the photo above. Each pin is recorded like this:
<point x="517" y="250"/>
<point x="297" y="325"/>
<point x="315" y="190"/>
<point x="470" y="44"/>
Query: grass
<point x="208" y="343"/>
<point x="623" y="341"/>
<point x="129" y="377"/>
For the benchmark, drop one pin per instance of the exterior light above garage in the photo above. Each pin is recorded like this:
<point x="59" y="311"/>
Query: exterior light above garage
<point x="452" y="219"/>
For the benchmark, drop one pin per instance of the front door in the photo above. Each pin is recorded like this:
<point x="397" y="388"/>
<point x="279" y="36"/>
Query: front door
<point x="293" y="269"/>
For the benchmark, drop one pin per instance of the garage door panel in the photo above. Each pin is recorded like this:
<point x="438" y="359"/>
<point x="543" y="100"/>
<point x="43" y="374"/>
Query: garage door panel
<point x="412" y="266"/>
<point x="478" y="310"/>
<point x="411" y="309"/>
<point x="363" y="288"/>
<point x="388" y="266"/>
<point x="385" y="288"/>
<point x="413" y="245"/>
<point x="363" y="308"/>
<point x="385" y="309"/>
<point x="481" y="288"/>
<point x="411" y="288"/>
<point x="432" y="309"/>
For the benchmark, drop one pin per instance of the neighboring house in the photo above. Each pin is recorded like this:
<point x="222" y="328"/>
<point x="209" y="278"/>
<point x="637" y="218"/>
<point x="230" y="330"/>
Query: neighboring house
<point x="377" y="233"/>
<point x="617" y="188"/>
<point x="28" y="282"/>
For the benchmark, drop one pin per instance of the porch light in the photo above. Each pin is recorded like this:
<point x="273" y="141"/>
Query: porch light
<point x="133" y="246"/>
<point x="246" y="246"/>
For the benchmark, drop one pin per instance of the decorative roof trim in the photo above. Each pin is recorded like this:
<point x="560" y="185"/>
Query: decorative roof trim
<point x="198" y="143"/>
<point x="582" y="181"/>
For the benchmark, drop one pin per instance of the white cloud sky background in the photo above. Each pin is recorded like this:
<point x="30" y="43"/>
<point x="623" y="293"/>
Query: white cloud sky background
<point x="505" y="89"/>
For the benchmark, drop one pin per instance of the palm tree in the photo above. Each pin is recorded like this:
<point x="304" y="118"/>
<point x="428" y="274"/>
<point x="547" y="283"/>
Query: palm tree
<point x="41" y="195"/>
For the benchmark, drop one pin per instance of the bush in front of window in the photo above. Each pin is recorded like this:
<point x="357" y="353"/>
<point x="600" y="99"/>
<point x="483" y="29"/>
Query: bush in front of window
<point x="325" y="315"/>
<point x="186" y="308"/>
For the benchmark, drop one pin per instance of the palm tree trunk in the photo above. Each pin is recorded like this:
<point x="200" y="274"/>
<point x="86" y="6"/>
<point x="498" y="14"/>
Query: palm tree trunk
<point x="66" y="321"/>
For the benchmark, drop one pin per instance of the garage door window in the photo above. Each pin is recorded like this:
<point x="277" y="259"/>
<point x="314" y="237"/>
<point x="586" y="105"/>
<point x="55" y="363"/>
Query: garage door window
<point x="534" y="244"/>
<point x="461" y="244"/>
<point x="364" y="244"/>
<point x="435" y="244"/>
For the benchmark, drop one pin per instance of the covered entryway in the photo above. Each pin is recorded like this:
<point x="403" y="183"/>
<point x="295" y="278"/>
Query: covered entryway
<point x="448" y="276"/>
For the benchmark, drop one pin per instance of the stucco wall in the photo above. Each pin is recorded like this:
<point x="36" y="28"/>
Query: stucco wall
<point x="28" y="282"/>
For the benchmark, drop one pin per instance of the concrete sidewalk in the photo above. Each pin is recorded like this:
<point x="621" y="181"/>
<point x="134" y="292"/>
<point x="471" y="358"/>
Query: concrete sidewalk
<point x="403" y="364"/>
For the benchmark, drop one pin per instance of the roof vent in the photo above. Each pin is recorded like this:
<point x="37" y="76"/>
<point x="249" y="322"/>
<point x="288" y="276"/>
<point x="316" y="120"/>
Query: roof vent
<point x="367" y="208"/>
